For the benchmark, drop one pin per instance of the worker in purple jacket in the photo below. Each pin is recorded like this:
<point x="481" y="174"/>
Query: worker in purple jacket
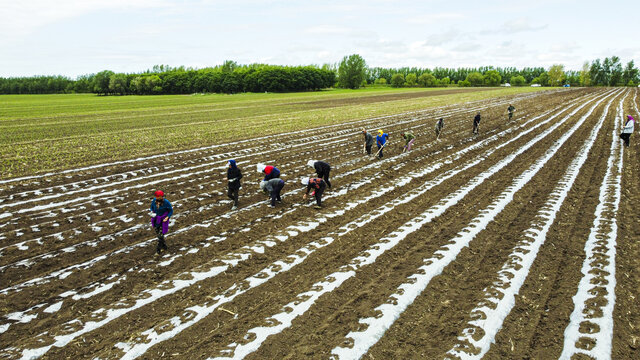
<point x="162" y="209"/>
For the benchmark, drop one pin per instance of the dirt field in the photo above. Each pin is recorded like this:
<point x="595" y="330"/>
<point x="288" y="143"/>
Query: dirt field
<point x="518" y="243"/>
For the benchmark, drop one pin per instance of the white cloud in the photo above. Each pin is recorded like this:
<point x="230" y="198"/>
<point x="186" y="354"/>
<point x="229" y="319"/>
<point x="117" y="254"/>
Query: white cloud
<point x="522" y="25"/>
<point x="467" y="47"/>
<point x="328" y="29"/>
<point x="337" y="30"/>
<point x="443" y="38"/>
<point x="435" y="17"/>
<point x="24" y="17"/>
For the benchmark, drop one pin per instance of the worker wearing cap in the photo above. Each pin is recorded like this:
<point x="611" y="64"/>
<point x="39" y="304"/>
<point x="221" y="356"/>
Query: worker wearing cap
<point x="162" y="209"/>
<point x="322" y="169"/>
<point x="233" y="182"/>
<point x="270" y="172"/>
<point x="273" y="187"/>
<point x="627" y="130"/>
<point x="381" y="140"/>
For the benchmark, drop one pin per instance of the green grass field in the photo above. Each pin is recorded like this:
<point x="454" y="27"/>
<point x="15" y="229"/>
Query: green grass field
<point x="40" y="133"/>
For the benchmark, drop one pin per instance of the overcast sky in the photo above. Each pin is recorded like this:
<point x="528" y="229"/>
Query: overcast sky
<point x="75" y="37"/>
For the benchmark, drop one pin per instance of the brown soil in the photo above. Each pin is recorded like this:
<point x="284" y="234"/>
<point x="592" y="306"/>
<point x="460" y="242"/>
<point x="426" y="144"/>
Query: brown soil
<point x="430" y="326"/>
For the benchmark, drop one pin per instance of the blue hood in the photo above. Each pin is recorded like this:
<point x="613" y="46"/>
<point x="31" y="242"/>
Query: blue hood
<point x="232" y="163"/>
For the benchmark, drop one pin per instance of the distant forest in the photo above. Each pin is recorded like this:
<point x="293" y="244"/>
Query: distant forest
<point x="351" y="72"/>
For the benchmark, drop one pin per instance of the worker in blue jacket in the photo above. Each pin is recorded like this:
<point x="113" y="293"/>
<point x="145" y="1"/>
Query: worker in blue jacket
<point x="381" y="140"/>
<point x="233" y="182"/>
<point x="160" y="222"/>
<point x="270" y="172"/>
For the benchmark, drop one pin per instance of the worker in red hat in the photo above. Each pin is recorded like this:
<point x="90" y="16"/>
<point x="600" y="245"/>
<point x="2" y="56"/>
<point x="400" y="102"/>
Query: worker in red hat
<point x="160" y="222"/>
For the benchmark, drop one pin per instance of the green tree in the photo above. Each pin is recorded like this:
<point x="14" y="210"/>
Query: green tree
<point x="101" y="82"/>
<point x="445" y="81"/>
<point x="427" y="80"/>
<point x="464" y="83"/>
<point x="606" y="72"/>
<point x="630" y="74"/>
<point x="596" y="73"/>
<point x="616" y="72"/>
<point x="556" y="75"/>
<point x="381" y="81"/>
<point x="492" y="78"/>
<point x="475" y="78"/>
<point x="411" y="79"/>
<point x="229" y="66"/>
<point x="397" y="80"/>
<point x="152" y="84"/>
<point x="518" y="80"/>
<point x="351" y="71"/>
<point x="585" y="75"/>
<point x="544" y="79"/>
<point x="118" y="84"/>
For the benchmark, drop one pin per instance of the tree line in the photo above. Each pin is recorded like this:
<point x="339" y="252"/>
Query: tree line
<point x="227" y="78"/>
<point x="609" y="72"/>
<point x="352" y="73"/>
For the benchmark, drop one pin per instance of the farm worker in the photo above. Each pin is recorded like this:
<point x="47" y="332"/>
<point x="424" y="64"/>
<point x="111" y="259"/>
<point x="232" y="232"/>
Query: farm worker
<point x="273" y="187"/>
<point x="628" y="130"/>
<point x="271" y="172"/>
<point x="368" y="141"/>
<point x="511" y="109"/>
<point x="322" y="169"/>
<point x="318" y="186"/>
<point x="381" y="141"/>
<point x="408" y="139"/>
<point x="476" y="123"/>
<point x="439" y="127"/>
<point x="160" y="222"/>
<point x="233" y="182"/>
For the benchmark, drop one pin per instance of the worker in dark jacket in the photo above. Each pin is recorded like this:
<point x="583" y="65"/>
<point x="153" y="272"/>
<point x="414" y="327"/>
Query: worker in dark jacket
<point x="322" y="169"/>
<point x="318" y="186"/>
<point x="476" y="123"/>
<point x="381" y="141"/>
<point x="270" y="172"/>
<point x="233" y="182"/>
<point x="162" y="209"/>
<point x="273" y="187"/>
<point x="439" y="127"/>
<point x="368" y="141"/>
<point x="511" y="109"/>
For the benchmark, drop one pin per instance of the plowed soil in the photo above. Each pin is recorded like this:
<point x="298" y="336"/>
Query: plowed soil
<point x="79" y="277"/>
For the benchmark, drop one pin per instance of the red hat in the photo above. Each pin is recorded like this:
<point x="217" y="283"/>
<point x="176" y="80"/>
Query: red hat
<point x="159" y="193"/>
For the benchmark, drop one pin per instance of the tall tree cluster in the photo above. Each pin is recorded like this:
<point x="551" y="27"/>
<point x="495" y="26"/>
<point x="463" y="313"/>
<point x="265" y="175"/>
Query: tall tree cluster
<point x="610" y="72"/>
<point x="228" y="78"/>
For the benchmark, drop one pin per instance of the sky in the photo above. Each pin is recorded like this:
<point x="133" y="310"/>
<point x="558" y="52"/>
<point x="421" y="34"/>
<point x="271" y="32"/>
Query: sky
<point x="76" y="37"/>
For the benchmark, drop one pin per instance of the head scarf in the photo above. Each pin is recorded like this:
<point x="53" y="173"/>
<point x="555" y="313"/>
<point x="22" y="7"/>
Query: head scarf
<point x="311" y="162"/>
<point x="304" y="181"/>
